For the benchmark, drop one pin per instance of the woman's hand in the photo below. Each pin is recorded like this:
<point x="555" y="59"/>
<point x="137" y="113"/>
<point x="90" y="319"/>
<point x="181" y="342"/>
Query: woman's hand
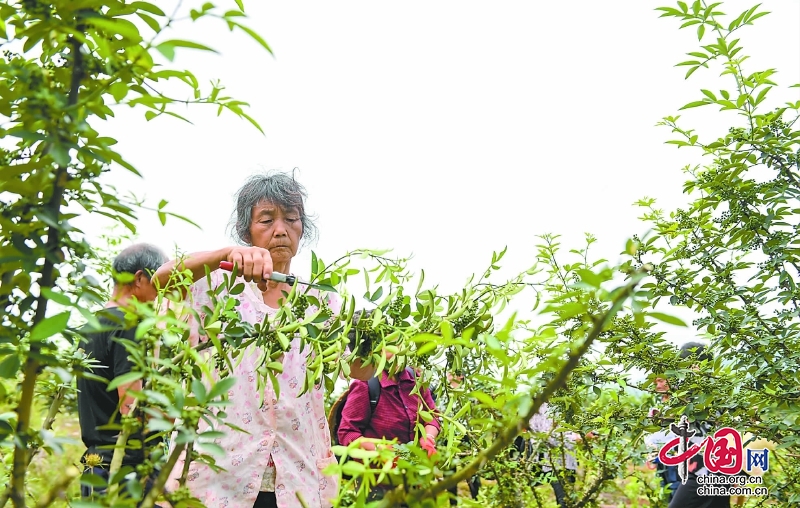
<point x="429" y="445"/>
<point x="254" y="264"/>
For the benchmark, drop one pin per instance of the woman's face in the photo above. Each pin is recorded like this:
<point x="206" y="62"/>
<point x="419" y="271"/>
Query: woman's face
<point x="276" y="230"/>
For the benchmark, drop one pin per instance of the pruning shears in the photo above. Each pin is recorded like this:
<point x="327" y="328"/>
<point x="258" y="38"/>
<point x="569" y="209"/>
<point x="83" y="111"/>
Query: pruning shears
<point x="281" y="277"/>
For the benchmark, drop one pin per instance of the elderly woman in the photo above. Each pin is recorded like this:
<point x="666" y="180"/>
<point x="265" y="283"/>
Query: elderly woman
<point x="287" y="445"/>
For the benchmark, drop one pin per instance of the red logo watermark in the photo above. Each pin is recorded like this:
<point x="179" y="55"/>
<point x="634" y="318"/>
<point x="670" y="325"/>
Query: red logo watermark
<point x="723" y="451"/>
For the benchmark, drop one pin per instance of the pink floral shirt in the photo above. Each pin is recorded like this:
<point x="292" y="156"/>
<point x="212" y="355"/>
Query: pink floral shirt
<point x="291" y="432"/>
<point x="543" y="422"/>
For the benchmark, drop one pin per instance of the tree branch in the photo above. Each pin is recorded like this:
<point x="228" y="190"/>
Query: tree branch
<point x="47" y="280"/>
<point x="158" y="485"/>
<point x="513" y="429"/>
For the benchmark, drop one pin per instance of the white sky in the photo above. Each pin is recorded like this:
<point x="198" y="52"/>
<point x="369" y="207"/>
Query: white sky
<point x="445" y="129"/>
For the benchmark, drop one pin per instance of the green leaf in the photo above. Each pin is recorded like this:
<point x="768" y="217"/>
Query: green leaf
<point x="254" y="35"/>
<point x="630" y="247"/>
<point x="691" y="71"/>
<point x="221" y="387"/>
<point x="167" y="48"/>
<point x="118" y="26"/>
<point x="92" y="480"/>
<point x="152" y="23"/>
<point x="148" y="7"/>
<point x="426" y="348"/>
<point x="199" y="391"/>
<point x="50" y="326"/>
<point x="210" y="449"/>
<point x="666" y="318"/>
<point x="240" y="4"/>
<point x="9" y="366"/>
<point x="124" y="379"/>
<point x="361" y="454"/>
<point x="696" y="104"/>
<point x="252" y="121"/>
<point x="709" y="94"/>
<point x="447" y="330"/>
<point x="57" y="297"/>
<point x="762" y="94"/>
<point x="184" y="219"/>
<point x="159" y="425"/>
<point x="589" y="277"/>
<point x="60" y="154"/>
<point x="118" y="90"/>
<point x="483" y="398"/>
<point x="353" y="468"/>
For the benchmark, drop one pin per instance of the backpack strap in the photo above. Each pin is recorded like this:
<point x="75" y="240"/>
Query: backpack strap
<point x="335" y="415"/>
<point x="374" y="387"/>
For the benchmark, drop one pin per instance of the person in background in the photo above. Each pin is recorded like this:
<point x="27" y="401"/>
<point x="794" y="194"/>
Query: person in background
<point x="686" y="496"/>
<point x="395" y="416"/>
<point x="668" y="474"/>
<point x="98" y="407"/>
<point x="542" y="423"/>
<point x="474" y="483"/>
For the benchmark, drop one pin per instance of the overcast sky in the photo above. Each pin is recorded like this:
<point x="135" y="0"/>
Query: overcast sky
<point x="444" y="129"/>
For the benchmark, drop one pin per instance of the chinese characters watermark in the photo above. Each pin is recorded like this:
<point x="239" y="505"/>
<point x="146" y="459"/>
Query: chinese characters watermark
<point x="723" y="453"/>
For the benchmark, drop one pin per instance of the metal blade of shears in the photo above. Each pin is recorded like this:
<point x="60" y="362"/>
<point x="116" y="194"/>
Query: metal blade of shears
<point x="280" y="277"/>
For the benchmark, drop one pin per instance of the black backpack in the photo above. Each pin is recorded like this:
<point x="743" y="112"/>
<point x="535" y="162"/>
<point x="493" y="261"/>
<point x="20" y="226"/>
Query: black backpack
<point x="335" y="415"/>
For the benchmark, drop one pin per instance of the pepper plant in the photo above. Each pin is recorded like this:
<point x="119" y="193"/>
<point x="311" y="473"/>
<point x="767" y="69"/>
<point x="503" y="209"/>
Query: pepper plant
<point x="730" y="256"/>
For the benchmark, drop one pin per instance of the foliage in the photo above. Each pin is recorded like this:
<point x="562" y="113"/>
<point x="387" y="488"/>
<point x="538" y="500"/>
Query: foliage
<point x="65" y="65"/>
<point x="730" y="257"/>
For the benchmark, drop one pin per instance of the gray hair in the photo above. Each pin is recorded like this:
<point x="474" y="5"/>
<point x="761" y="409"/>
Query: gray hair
<point x="139" y="256"/>
<point x="280" y="189"/>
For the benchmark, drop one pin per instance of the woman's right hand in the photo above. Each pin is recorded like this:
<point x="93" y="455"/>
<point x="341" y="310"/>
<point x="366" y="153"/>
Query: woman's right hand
<point x="254" y="264"/>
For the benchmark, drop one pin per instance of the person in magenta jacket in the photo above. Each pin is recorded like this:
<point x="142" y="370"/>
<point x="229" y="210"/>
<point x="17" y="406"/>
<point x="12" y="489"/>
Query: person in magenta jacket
<point x="395" y="416"/>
